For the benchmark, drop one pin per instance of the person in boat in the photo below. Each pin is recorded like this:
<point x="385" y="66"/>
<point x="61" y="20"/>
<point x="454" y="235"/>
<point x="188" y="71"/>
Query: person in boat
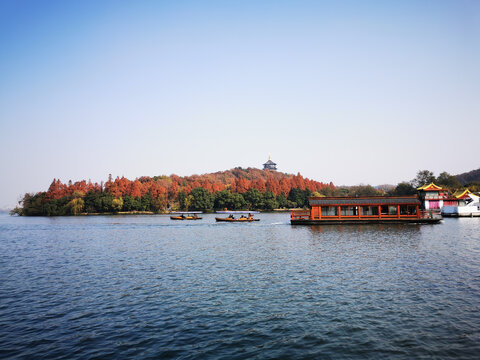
<point x="183" y="216"/>
<point x="243" y="217"/>
<point x="231" y="217"/>
<point x="195" y="216"/>
<point x="250" y="217"/>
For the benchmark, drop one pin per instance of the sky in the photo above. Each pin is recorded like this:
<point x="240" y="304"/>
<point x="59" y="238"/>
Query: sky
<point x="353" y="92"/>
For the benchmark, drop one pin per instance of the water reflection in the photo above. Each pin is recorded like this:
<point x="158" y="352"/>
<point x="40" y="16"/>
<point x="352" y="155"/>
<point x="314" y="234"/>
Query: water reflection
<point x="393" y="229"/>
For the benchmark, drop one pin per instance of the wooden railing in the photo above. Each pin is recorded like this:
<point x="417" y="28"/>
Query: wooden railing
<point x="430" y="214"/>
<point x="300" y="214"/>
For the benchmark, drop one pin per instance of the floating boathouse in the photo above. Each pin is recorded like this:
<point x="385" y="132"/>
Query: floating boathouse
<point x="363" y="210"/>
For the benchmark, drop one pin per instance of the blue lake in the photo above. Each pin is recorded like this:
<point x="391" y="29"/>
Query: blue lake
<point x="146" y="287"/>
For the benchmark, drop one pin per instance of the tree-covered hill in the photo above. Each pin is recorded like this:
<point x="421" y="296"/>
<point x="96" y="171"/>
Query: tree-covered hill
<point x="469" y="177"/>
<point x="233" y="189"/>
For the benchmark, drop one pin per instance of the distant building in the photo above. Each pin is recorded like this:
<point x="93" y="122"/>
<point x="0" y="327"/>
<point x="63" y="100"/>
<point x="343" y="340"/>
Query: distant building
<point x="269" y="165"/>
<point x="434" y="197"/>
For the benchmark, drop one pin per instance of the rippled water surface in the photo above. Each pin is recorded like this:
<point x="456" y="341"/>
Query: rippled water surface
<point x="147" y="287"/>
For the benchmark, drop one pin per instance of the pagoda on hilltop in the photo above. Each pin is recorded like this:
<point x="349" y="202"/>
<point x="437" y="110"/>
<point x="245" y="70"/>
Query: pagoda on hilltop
<point x="269" y="165"/>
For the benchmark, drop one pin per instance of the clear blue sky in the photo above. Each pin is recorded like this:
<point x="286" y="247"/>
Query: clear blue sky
<point x="344" y="91"/>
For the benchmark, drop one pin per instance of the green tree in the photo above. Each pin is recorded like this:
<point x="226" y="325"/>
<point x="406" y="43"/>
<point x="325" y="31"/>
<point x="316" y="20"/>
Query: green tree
<point x="75" y="206"/>
<point x="90" y="201"/>
<point x="282" y="201"/>
<point x="128" y="203"/>
<point x="223" y="199"/>
<point x="103" y="203"/>
<point x="238" y="202"/>
<point x="117" y="204"/>
<point x="33" y="204"/>
<point x="328" y="191"/>
<point x="146" y="202"/>
<point x="423" y="177"/>
<point x="181" y="199"/>
<point x="253" y="199"/>
<point x="159" y="204"/>
<point x="54" y="208"/>
<point x="449" y="181"/>
<point x="202" y="199"/>
<point x="269" y="201"/>
<point x="299" y="196"/>
<point x="404" y="189"/>
<point x="187" y="202"/>
<point x="364" y="190"/>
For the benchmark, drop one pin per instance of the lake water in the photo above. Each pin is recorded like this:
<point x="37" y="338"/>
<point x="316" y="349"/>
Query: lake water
<point x="146" y="287"/>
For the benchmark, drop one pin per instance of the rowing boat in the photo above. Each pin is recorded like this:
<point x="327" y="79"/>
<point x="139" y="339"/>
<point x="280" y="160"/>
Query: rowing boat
<point x="236" y="220"/>
<point x="185" y="218"/>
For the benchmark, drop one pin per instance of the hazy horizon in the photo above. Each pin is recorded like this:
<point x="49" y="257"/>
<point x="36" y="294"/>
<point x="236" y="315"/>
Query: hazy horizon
<point x="348" y="92"/>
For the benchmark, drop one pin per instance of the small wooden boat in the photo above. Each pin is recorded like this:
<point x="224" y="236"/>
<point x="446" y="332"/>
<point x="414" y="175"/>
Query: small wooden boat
<point x="186" y="216"/>
<point x="236" y="220"/>
<point x="242" y="218"/>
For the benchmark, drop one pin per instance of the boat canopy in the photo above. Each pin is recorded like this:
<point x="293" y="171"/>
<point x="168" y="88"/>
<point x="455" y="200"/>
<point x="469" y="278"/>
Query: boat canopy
<point x="186" y="212"/>
<point x="237" y="212"/>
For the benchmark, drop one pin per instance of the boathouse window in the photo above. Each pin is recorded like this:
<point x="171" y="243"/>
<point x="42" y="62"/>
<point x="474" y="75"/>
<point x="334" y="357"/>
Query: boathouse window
<point x="324" y="210"/>
<point x="333" y="211"/>
<point x="384" y="209"/>
<point x="412" y="210"/>
<point x="392" y="210"/>
<point x="349" y="210"/>
<point x="403" y="210"/>
<point x="374" y="210"/>
<point x="364" y="211"/>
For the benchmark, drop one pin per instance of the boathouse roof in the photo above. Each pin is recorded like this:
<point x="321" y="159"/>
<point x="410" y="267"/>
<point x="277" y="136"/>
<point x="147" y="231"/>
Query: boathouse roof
<point x="370" y="200"/>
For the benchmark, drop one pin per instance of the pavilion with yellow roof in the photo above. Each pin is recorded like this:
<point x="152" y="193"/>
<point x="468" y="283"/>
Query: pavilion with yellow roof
<point x="434" y="197"/>
<point x="462" y="194"/>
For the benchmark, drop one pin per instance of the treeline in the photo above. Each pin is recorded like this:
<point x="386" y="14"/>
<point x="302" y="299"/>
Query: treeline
<point x="234" y="189"/>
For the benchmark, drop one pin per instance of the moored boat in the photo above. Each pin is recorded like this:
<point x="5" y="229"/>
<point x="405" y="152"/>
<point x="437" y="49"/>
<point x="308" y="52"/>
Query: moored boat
<point x="363" y="210"/>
